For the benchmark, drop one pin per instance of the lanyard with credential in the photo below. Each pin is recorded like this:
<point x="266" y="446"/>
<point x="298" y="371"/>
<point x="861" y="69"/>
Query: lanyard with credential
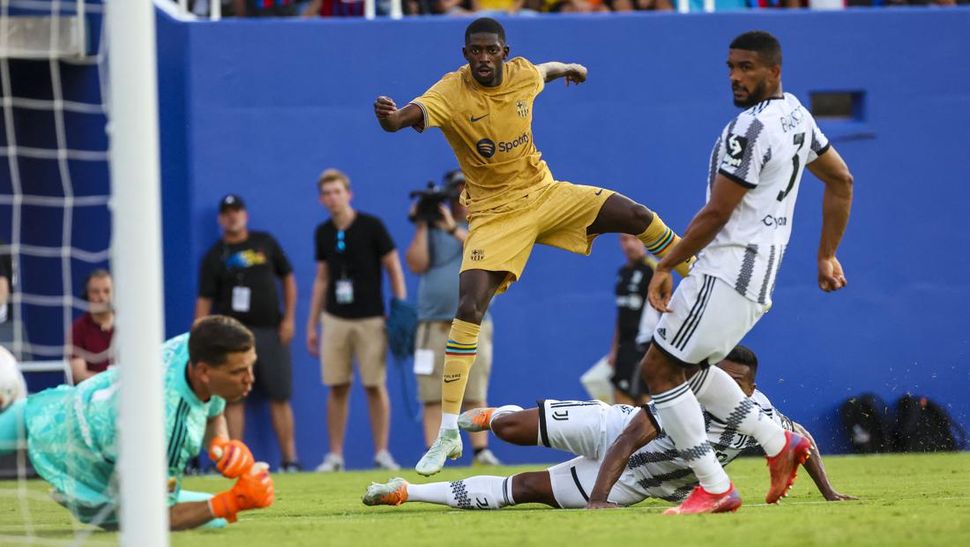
<point x="344" y="287"/>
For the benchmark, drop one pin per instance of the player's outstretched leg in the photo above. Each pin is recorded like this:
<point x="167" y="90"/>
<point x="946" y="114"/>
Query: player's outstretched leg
<point x="720" y="395"/>
<point x="475" y="291"/>
<point x="479" y="492"/>
<point x="620" y="214"/>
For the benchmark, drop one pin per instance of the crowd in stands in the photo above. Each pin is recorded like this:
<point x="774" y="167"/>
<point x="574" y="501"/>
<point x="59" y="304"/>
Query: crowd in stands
<point x="355" y="8"/>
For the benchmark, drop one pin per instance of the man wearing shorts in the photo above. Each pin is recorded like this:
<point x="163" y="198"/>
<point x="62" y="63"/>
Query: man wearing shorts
<point x="485" y="111"/>
<point x="435" y="255"/>
<point x="352" y="249"/>
<point x="238" y="278"/>
<point x="740" y="237"/>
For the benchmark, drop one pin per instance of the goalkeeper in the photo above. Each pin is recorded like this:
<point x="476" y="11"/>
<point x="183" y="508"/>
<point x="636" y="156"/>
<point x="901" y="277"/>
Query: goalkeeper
<point x="72" y="441"/>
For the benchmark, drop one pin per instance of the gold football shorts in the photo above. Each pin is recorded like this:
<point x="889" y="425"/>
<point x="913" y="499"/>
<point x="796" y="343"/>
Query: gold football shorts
<point x="556" y="214"/>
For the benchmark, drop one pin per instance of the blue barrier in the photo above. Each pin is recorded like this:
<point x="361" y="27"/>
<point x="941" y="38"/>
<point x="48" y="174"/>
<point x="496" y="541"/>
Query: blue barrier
<point x="261" y="107"/>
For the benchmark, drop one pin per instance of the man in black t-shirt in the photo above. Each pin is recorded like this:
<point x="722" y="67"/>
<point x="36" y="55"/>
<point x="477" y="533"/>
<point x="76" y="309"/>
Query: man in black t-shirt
<point x="351" y="250"/>
<point x="632" y="281"/>
<point x="238" y="278"/>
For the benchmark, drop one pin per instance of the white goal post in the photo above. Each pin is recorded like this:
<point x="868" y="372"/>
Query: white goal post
<point x="136" y="260"/>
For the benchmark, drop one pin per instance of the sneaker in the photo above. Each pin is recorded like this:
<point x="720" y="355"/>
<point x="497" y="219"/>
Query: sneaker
<point x="291" y="467"/>
<point x="447" y="445"/>
<point x="476" y="419"/>
<point x="384" y="460"/>
<point x="702" y="501"/>
<point x="393" y="492"/>
<point x="784" y="466"/>
<point x="331" y="463"/>
<point x="485" y="457"/>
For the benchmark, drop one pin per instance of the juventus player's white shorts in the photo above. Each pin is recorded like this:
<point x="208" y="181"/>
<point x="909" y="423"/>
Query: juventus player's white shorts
<point x="586" y="429"/>
<point x="573" y="480"/>
<point x="583" y="428"/>
<point x="707" y="319"/>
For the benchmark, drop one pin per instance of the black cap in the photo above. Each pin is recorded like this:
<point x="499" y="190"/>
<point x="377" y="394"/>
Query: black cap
<point x="231" y="201"/>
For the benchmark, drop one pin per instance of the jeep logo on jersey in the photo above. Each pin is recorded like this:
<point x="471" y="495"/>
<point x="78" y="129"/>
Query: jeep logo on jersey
<point x="486" y="147"/>
<point x="736" y="145"/>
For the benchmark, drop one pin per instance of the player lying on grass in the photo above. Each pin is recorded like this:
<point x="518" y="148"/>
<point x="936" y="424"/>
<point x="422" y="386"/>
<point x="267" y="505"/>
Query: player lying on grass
<point x="652" y="468"/>
<point x="71" y="431"/>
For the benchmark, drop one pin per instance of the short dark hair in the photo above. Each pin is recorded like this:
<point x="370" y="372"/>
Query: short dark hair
<point x="742" y="355"/>
<point x="761" y="42"/>
<point x="214" y="337"/>
<point x="485" y="25"/>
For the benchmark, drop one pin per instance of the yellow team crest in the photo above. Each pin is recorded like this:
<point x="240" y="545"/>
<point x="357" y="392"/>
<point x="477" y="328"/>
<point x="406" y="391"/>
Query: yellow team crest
<point x="522" y="109"/>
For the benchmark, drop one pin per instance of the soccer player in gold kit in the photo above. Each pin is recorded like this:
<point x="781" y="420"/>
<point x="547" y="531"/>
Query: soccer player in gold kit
<point x="484" y="110"/>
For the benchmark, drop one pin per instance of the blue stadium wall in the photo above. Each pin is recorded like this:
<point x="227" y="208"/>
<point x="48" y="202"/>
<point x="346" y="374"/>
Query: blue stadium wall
<point x="261" y="107"/>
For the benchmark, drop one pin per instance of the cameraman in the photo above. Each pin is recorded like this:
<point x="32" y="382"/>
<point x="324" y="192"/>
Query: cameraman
<point x="435" y="255"/>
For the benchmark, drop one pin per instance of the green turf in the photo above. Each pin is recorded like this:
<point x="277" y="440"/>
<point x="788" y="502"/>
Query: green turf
<point x="905" y="500"/>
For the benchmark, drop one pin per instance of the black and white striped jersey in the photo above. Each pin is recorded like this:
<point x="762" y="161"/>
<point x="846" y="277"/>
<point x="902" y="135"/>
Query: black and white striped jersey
<point x="764" y="149"/>
<point x="657" y="470"/>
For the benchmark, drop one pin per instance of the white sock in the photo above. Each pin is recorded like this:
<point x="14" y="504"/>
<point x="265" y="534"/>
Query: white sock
<point x="722" y="397"/>
<point x="481" y="492"/>
<point x="683" y="420"/>
<point x="502" y="411"/>
<point x="448" y="421"/>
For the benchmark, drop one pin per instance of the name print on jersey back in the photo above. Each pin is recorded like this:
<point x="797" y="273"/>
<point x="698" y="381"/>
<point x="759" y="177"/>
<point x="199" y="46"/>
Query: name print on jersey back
<point x="765" y="149"/>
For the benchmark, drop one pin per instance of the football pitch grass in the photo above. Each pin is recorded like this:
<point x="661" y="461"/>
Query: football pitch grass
<point x="904" y="500"/>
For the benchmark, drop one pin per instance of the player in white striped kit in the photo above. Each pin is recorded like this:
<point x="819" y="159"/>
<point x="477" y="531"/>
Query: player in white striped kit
<point x="740" y="237"/>
<point x="650" y="466"/>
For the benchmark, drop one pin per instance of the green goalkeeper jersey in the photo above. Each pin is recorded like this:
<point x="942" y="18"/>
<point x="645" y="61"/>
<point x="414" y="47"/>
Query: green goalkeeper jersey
<point x="72" y="435"/>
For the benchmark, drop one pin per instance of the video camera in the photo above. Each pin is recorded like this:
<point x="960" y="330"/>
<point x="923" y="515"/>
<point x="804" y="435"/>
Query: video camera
<point x="431" y="197"/>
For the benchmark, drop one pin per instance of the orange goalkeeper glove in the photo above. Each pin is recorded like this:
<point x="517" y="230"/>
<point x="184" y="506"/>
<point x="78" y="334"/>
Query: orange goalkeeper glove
<point x="253" y="490"/>
<point x="232" y="458"/>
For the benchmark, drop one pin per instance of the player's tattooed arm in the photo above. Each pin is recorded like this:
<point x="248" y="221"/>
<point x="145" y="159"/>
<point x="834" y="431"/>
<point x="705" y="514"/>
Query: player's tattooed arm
<point x="816" y="469"/>
<point x="637" y="434"/>
<point x="573" y="72"/>
<point x="392" y="118"/>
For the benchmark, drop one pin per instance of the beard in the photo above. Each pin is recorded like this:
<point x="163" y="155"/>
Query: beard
<point x="755" y="96"/>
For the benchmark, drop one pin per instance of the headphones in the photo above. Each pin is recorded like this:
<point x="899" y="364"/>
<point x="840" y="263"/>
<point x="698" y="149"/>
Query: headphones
<point x="97" y="272"/>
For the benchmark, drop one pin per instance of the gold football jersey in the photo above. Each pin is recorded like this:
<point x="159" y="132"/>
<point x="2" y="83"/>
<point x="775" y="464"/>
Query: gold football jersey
<point x="490" y="131"/>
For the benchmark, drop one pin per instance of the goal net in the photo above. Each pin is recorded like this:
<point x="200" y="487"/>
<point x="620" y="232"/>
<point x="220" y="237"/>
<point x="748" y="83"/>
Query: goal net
<point x="78" y="194"/>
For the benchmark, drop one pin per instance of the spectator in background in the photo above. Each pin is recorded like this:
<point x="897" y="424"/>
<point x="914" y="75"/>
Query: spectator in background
<point x="632" y="281"/>
<point x="263" y="8"/>
<point x="91" y="333"/>
<point x="351" y="249"/>
<point x="334" y="8"/>
<point x="238" y="278"/>
<point x="435" y="255"/>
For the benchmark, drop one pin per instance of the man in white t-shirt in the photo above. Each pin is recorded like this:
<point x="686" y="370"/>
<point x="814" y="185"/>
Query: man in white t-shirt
<point x="740" y="237"/>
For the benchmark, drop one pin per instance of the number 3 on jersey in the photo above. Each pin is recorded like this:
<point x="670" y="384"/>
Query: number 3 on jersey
<point x="798" y="139"/>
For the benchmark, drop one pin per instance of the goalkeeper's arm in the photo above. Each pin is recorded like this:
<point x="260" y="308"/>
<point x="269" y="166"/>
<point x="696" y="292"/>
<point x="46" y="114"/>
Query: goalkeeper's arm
<point x="188" y="515"/>
<point x="253" y="490"/>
